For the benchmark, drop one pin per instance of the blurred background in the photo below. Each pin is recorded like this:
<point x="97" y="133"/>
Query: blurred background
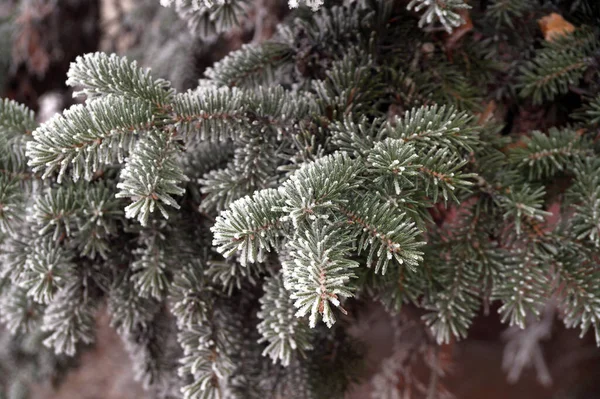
<point x="39" y="39"/>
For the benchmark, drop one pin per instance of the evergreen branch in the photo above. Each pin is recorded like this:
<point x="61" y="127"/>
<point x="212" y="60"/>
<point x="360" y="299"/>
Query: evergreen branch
<point x="56" y="212"/>
<point x="523" y="286"/>
<point x="317" y="271"/>
<point x="525" y="204"/>
<point x="230" y="274"/>
<point x="441" y="171"/>
<point x="250" y="226"/>
<point x="47" y="269"/>
<point x="129" y="311"/>
<point x="357" y="138"/>
<point x="558" y="65"/>
<point x="454" y="307"/>
<point x="15" y="119"/>
<point x="284" y="333"/>
<point x="86" y="136"/>
<point x="444" y="11"/>
<point x="385" y="232"/>
<point x="99" y="75"/>
<point x="189" y="296"/>
<point x="11" y="204"/>
<point x="100" y="212"/>
<point x="150" y="271"/>
<point x="319" y="186"/>
<point x="507" y="12"/>
<point x="590" y="112"/>
<point x="394" y="162"/>
<point x="217" y="114"/>
<point x="349" y="86"/>
<point x="205" y="357"/>
<point x="443" y="126"/>
<point x="69" y="319"/>
<point x="579" y="292"/>
<point x="20" y="313"/>
<point x="584" y="194"/>
<point x="250" y="66"/>
<point x="545" y="155"/>
<point x="151" y="175"/>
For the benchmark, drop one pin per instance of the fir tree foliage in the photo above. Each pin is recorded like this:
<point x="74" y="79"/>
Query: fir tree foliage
<point x="304" y="174"/>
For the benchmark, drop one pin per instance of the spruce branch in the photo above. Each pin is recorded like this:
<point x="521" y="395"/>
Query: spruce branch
<point x="87" y="136"/>
<point x="441" y="173"/>
<point x="230" y="274"/>
<point x="11" y="204"/>
<point x="523" y="285"/>
<point x="98" y="222"/>
<point x="151" y="176"/>
<point x="523" y="205"/>
<point x="100" y="75"/>
<point x="20" y="313"/>
<point x="15" y="119"/>
<point x="317" y="271"/>
<point x="453" y="308"/>
<point x="385" y="232"/>
<point x="216" y="114"/>
<point x="189" y="295"/>
<point x="443" y="11"/>
<point x="48" y="268"/>
<point x="280" y="328"/>
<point x="584" y="195"/>
<point x="319" y="186"/>
<point x="250" y="225"/>
<point x="251" y="66"/>
<point x="544" y="155"/>
<point x="559" y="65"/>
<point x="69" y="319"/>
<point x="56" y="212"/>
<point x="428" y="126"/>
<point x="579" y="290"/>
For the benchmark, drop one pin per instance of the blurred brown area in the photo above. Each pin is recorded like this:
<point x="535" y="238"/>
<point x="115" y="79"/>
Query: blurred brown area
<point x="104" y="371"/>
<point x="475" y="370"/>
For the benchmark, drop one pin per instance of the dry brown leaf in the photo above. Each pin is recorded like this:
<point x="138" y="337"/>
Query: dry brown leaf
<point x="488" y="113"/>
<point x="554" y="26"/>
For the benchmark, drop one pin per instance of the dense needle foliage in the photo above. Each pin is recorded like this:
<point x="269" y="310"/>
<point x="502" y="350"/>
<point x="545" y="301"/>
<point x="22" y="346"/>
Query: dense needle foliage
<point x="231" y="229"/>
